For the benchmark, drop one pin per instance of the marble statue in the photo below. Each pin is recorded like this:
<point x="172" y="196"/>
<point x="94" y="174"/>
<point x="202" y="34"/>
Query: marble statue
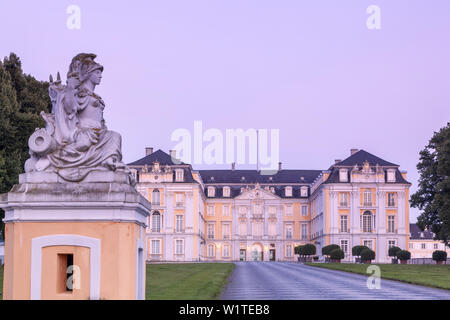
<point x="76" y="140"/>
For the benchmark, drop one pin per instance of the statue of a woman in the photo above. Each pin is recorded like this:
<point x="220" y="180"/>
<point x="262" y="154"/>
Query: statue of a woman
<point x="80" y="141"/>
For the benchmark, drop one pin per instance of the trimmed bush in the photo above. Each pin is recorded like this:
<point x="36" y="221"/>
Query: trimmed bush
<point x="337" y="254"/>
<point x="439" y="255"/>
<point x="393" y="251"/>
<point x="356" y="250"/>
<point x="309" y="249"/>
<point x="404" y="255"/>
<point x="298" y="249"/>
<point x="367" y="254"/>
<point x="327" y="249"/>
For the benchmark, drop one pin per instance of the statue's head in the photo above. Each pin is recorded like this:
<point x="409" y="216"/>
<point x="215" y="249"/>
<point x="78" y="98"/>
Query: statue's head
<point x="84" y="68"/>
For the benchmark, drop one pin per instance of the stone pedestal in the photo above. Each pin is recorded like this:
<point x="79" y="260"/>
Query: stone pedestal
<point x="74" y="240"/>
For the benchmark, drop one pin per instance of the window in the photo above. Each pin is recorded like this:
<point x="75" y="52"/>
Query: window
<point x="226" y="191"/>
<point x="257" y="228"/>
<point x="391" y="243"/>
<point x="211" y="191"/>
<point x="226" y="251"/>
<point x="156" y="222"/>
<point x="304" y="210"/>
<point x="288" y="250"/>
<point x="156" y="197"/>
<point x="243" y="228"/>
<point x="343" y="199"/>
<point x="226" y="230"/>
<point x="367" y="221"/>
<point x="368" y="243"/>
<point x="272" y="229"/>
<point x="179" y="223"/>
<point x="210" y="231"/>
<point x="179" y="246"/>
<point x="179" y="199"/>
<point x="391" y="175"/>
<point x="289" y="210"/>
<point x="343" y="177"/>
<point x="436" y="246"/>
<point x="411" y="245"/>
<point x="289" y="231"/>
<point x="210" y="210"/>
<point x="304" y="230"/>
<point x="304" y="191"/>
<point x="288" y="191"/>
<point x="391" y="199"/>
<point x="211" y="250"/>
<point x="226" y="210"/>
<point x="424" y="246"/>
<point x="367" y="198"/>
<point x="179" y="175"/>
<point x="344" y="246"/>
<point x="156" y="246"/>
<point x="391" y="223"/>
<point x="344" y="223"/>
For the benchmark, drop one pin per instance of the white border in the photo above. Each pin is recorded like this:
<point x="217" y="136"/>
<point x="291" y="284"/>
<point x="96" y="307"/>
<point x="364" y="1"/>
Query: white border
<point x="65" y="240"/>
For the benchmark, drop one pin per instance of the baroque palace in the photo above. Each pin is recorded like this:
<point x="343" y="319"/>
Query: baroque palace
<point x="243" y="215"/>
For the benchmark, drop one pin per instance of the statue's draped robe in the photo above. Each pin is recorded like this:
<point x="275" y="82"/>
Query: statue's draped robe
<point x="84" y="145"/>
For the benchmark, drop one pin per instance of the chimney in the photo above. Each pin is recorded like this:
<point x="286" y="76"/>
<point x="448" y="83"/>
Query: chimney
<point x="353" y="151"/>
<point x="279" y="166"/>
<point x="173" y="154"/>
<point x="337" y="161"/>
<point x="148" y="151"/>
<point x="233" y="166"/>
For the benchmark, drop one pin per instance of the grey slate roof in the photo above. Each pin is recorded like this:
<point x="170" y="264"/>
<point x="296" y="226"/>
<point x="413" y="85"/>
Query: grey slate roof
<point x="159" y="155"/>
<point x="361" y="156"/>
<point x="416" y="232"/>
<point x="254" y="176"/>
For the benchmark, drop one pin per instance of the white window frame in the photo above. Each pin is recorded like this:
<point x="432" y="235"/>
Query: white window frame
<point x="179" y="175"/>
<point x="343" y="177"/>
<point x="343" y="223"/>
<point x="391" y="223"/>
<point x="179" y="223"/>
<point x="304" y="209"/>
<point x="303" y="191"/>
<point x="344" y="244"/>
<point x="210" y="230"/>
<point x="158" y="246"/>
<point x="226" y="210"/>
<point x="208" y="250"/>
<point x="289" y="230"/>
<point x="211" y="191"/>
<point x="288" y="191"/>
<point x="289" y="210"/>
<point x="156" y="197"/>
<point x="210" y="210"/>
<point x="177" y="252"/>
<point x="226" y="192"/>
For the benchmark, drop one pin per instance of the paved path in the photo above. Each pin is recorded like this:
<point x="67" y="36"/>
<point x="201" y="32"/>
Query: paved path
<point x="294" y="281"/>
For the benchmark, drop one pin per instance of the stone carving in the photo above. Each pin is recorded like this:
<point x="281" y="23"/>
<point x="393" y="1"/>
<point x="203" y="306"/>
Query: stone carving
<point x="76" y="140"/>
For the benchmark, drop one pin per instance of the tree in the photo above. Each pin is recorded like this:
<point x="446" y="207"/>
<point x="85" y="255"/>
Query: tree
<point x="367" y="254"/>
<point x="356" y="250"/>
<point x="404" y="255"/>
<point x="439" y="256"/>
<point x="433" y="194"/>
<point x="393" y="251"/>
<point x="327" y="249"/>
<point x="337" y="254"/>
<point x="22" y="98"/>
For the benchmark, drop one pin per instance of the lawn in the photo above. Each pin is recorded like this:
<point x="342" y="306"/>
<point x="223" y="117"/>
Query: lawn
<point x="430" y="275"/>
<point x="187" y="281"/>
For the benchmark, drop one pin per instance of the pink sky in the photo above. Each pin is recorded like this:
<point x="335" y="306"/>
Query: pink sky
<point x="309" y="68"/>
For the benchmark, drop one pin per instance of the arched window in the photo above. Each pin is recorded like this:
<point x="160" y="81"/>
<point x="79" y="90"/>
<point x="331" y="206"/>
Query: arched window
<point x="156" y="197"/>
<point x="367" y="221"/>
<point x="156" y="222"/>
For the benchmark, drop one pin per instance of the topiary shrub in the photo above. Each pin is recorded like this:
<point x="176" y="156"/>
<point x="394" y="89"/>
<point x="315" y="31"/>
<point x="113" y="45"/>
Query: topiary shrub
<point x="327" y="249"/>
<point x="404" y="256"/>
<point x="439" y="256"/>
<point x="356" y="250"/>
<point x="298" y="250"/>
<point x="367" y="254"/>
<point x="337" y="254"/>
<point x="393" y="251"/>
<point x="309" y="249"/>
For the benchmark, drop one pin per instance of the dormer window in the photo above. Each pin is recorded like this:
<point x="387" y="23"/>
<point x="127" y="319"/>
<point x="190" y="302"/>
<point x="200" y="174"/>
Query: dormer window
<point x="343" y="177"/>
<point x="390" y="175"/>
<point x="226" y="191"/>
<point x="179" y="175"/>
<point x="211" y="191"/>
<point x="288" y="192"/>
<point x="304" y="191"/>
<point x="272" y="189"/>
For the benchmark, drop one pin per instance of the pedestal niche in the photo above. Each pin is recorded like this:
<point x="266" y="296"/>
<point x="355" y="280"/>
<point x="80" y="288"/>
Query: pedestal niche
<point x="74" y="240"/>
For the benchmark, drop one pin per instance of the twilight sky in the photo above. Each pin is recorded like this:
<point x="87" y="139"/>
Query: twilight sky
<point x="309" y="68"/>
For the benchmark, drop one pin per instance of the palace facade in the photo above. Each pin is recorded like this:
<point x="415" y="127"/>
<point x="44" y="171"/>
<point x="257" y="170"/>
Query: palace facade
<point x="244" y="215"/>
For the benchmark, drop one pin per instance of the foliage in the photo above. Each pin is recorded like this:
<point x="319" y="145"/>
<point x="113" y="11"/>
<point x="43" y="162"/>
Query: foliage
<point x="327" y="249"/>
<point x="404" y="255"/>
<point x="433" y="194"/>
<point x="337" y="254"/>
<point x="393" y="251"/>
<point x="22" y="98"/>
<point x="367" y="254"/>
<point x="305" y="250"/>
<point x="439" y="255"/>
<point x="356" y="250"/>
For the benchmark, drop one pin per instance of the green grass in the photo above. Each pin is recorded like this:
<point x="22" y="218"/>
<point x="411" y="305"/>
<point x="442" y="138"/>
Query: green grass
<point x="430" y="275"/>
<point x="187" y="281"/>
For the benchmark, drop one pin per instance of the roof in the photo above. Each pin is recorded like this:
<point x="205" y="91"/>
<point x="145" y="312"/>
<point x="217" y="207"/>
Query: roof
<point x="236" y="191"/>
<point x="361" y="156"/>
<point x="418" y="234"/>
<point x="159" y="155"/>
<point x="255" y="176"/>
<point x="334" y="177"/>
